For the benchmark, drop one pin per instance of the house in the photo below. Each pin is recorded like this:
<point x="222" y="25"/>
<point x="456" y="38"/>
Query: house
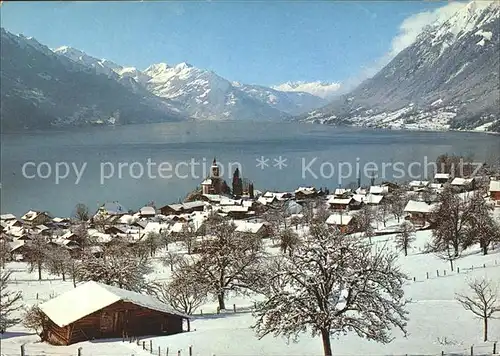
<point x="61" y="222"/>
<point x="339" y="203"/>
<point x="463" y="183"/>
<point x="147" y="212"/>
<point x="442" y="178"/>
<point x="343" y="222"/>
<point x="95" y="311"/>
<point x="258" y="229"/>
<point x="266" y="200"/>
<point x="236" y="211"/>
<point x="7" y="217"/>
<point x="18" y="250"/>
<point x="379" y="189"/>
<point x="373" y="199"/>
<point x="183" y="208"/>
<point x="418" y="184"/>
<point x="112" y="208"/>
<point x="420" y="212"/>
<point x="35" y="218"/>
<point x="494" y="191"/>
<point x="341" y="191"/>
<point x="305" y="193"/>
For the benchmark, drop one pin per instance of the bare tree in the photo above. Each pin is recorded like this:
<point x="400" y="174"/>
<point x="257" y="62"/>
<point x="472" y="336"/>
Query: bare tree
<point x="482" y="302"/>
<point x="120" y="268"/>
<point x="58" y="261"/>
<point x="182" y="293"/>
<point x="34" y="319"/>
<point x="9" y="302"/>
<point x="4" y="251"/>
<point x="153" y="241"/>
<point x="383" y="212"/>
<point x="288" y="240"/>
<point x="451" y="218"/>
<point x="482" y="228"/>
<point x="188" y="237"/>
<point x="81" y="212"/>
<point x="397" y="201"/>
<point x="37" y="254"/>
<point x="405" y="237"/>
<point x="315" y="290"/>
<point x="364" y="219"/>
<point x="172" y="259"/>
<point x="227" y="262"/>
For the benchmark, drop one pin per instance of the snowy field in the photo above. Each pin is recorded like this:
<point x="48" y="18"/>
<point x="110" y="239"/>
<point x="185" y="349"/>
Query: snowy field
<point x="437" y="322"/>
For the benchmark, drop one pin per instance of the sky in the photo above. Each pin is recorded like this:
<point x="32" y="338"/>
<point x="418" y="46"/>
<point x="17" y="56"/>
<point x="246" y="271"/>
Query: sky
<point x="254" y="42"/>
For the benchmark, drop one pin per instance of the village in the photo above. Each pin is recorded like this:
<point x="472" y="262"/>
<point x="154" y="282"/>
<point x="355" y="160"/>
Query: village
<point x="129" y="276"/>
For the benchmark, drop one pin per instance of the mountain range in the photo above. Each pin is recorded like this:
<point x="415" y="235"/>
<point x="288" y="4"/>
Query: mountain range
<point x="447" y="79"/>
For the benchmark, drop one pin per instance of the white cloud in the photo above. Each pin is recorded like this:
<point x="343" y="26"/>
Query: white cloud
<point x="321" y="89"/>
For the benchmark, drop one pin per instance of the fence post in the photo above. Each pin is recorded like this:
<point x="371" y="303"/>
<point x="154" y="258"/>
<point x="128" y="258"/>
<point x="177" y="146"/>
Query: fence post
<point x="437" y="273"/>
<point x="255" y="305"/>
<point x="201" y="311"/>
<point x="484" y="265"/>
<point x="444" y="272"/>
<point x="137" y="341"/>
<point x="151" y="346"/>
<point x="442" y="353"/>
<point x="494" y="347"/>
<point x="190" y="350"/>
<point x="178" y="352"/>
<point x="79" y="351"/>
<point x="22" y="350"/>
<point x="427" y="273"/>
<point x="159" y="351"/>
<point x="167" y="351"/>
<point x="472" y="350"/>
<point x="414" y="279"/>
<point x="458" y="269"/>
<point x="234" y="308"/>
<point x="144" y="345"/>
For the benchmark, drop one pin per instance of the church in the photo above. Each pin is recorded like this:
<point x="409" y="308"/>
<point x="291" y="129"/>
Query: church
<point x="214" y="184"/>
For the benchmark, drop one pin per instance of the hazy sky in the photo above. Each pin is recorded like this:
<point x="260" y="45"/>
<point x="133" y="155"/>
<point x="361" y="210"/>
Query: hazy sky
<point x="252" y="42"/>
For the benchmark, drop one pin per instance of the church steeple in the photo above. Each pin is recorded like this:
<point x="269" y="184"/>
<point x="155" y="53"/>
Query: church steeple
<point x="215" y="169"/>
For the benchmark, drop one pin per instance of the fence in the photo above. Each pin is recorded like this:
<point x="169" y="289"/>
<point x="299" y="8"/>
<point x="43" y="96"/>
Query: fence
<point x="456" y="271"/>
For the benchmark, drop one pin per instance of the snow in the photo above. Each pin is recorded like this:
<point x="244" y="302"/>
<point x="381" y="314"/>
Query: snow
<point x="339" y="219"/>
<point x="90" y="297"/>
<point x="338" y="201"/>
<point x="442" y="176"/>
<point x="321" y="89"/>
<point x="494" y="186"/>
<point x="418" y="207"/>
<point x="244" y="226"/>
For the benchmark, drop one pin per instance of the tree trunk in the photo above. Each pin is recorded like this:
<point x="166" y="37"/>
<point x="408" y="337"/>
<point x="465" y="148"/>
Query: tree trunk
<point x="189" y="324"/>
<point x="63" y="276"/>
<point x="171" y="267"/>
<point x="485" y="249"/>
<point x="327" y="346"/>
<point x="485" y="329"/>
<point x="406" y="250"/>
<point x="39" y="271"/>
<point x="220" y="299"/>
<point x="451" y="264"/>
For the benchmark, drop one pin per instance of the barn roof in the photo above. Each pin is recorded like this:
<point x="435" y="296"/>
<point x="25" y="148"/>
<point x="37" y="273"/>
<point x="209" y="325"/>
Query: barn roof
<point x="91" y="296"/>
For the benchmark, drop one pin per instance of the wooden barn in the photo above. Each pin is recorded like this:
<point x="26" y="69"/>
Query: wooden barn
<point x="96" y="311"/>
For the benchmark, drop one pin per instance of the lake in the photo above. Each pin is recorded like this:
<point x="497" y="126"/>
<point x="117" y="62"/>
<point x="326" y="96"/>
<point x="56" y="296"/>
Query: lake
<point x="134" y="165"/>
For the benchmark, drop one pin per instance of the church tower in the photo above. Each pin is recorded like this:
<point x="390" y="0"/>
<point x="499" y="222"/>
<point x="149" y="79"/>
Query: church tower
<point x="215" y="169"/>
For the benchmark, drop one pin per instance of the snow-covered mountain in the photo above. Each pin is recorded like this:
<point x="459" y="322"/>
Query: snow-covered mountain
<point x="320" y="89"/>
<point x="40" y="89"/>
<point x="202" y="94"/>
<point x="447" y="79"/>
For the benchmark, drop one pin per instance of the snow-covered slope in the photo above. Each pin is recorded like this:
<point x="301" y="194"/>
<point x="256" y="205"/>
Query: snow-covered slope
<point x="200" y="93"/>
<point x="41" y="89"/>
<point x="448" y="78"/>
<point x="321" y="89"/>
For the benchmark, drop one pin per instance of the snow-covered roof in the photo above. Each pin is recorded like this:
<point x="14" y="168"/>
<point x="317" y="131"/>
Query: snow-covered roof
<point x="249" y="227"/>
<point x="229" y="201"/>
<point x="266" y="200"/>
<point x="414" y="206"/>
<point x="113" y="208"/>
<point x="90" y="297"/>
<point x="372" y="199"/>
<point x="7" y="217"/>
<point x="494" y="186"/>
<point x="207" y="181"/>
<point x="147" y="210"/>
<point x="30" y="215"/>
<point x="461" y="181"/>
<point x="14" y="245"/>
<point x="193" y="204"/>
<point x="213" y="197"/>
<point x="341" y="191"/>
<point x="435" y="186"/>
<point x="305" y="190"/>
<point x="361" y="191"/>
<point x="234" y="208"/>
<point x="419" y="183"/>
<point x="60" y="220"/>
<point x="339" y="219"/>
<point x="442" y="176"/>
<point x="379" y="189"/>
<point x="337" y="201"/>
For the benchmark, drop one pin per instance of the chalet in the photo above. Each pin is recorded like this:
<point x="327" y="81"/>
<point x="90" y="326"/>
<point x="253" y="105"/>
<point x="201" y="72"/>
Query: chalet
<point x="442" y="178"/>
<point x="147" y="212"/>
<point x="339" y="203"/>
<point x="114" y="230"/>
<point x="280" y="196"/>
<point x="342" y="221"/>
<point x="35" y="218"/>
<point x="96" y="311"/>
<point x="18" y="250"/>
<point x="379" y="189"/>
<point x="61" y="222"/>
<point x="373" y="199"/>
<point x="494" y="191"/>
<point x="420" y="212"/>
<point x="341" y="192"/>
<point x="258" y="229"/>
<point x="112" y="208"/>
<point x="212" y="198"/>
<point x="416" y="185"/>
<point x="236" y="212"/>
<point x="266" y="200"/>
<point x="183" y="208"/>
<point x="464" y="184"/>
<point x="292" y="207"/>
<point x="305" y="193"/>
<point x="7" y="217"/>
